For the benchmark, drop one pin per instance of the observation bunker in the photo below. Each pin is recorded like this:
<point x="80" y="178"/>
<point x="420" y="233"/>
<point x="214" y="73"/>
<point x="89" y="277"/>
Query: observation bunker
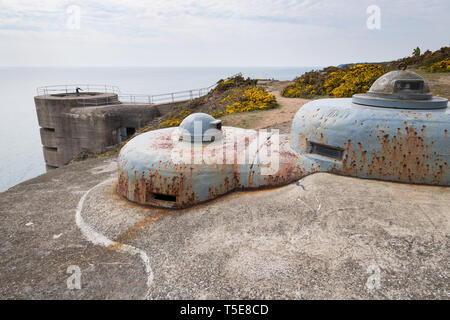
<point x="397" y="131"/>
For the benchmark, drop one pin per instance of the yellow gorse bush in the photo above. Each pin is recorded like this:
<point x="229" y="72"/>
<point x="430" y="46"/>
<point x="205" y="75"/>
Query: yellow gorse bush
<point x="254" y="98"/>
<point x="355" y="79"/>
<point x="175" y="119"/>
<point x="338" y="83"/>
<point x="308" y="85"/>
<point x="441" y="66"/>
<point x="235" y="94"/>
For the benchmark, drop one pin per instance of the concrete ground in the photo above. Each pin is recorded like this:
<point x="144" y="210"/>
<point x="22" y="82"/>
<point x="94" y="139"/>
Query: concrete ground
<point x="325" y="236"/>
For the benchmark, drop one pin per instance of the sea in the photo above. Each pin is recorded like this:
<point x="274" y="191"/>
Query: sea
<point x="21" y="155"/>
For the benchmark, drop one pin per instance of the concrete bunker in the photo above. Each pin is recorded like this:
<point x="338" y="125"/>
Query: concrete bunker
<point x="89" y="120"/>
<point x="397" y="132"/>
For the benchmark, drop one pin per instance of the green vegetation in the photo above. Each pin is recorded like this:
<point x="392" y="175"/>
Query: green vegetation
<point x="422" y="61"/>
<point x="344" y="82"/>
<point x="335" y="82"/>
<point x="441" y="66"/>
<point x="233" y="95"/>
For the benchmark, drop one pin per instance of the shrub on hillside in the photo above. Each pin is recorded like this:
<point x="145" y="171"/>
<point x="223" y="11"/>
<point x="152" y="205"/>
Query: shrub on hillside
<point x="233" y="82"/>
<point x="441" y="66"/>
<point x="426" y="59"/>
<point x="253" y="98"/>
<point x="233" y="95"/>
<point x="355" y="79"/>
<point x="308" y="85"/>
<point x="335" y="82"/>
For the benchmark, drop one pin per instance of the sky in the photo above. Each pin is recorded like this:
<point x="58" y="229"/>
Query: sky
<point x="225" y="33"/>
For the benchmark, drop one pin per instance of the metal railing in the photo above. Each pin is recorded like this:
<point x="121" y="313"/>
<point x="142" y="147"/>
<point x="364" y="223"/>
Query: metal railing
<point x="166" y="97"/>
<point x="71" y="88"/>
<point x="124" y="98"/>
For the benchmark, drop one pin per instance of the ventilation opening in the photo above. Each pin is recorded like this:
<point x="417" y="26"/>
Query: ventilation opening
<point x="217" y="124"/>
<point x="164" y="197"/>
<point x="49" y="129"/>
<point x="124" y="133"/>
<point x="130" y="132"/>
<point x="407" y="85"/>
<point x="51" y="149"/>
<point x="326" y="151"/>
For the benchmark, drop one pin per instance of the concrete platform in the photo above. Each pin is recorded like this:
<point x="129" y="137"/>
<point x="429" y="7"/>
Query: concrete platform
<point x="325" y="236"/>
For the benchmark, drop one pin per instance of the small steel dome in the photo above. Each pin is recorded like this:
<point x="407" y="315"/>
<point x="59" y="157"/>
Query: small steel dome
<point x="400" y="89"/>
<point x="200" y="127"/>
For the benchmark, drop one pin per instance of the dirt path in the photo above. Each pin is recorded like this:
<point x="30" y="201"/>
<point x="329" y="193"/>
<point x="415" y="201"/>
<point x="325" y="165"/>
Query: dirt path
<point x="279" y="118"/>
<point x="439" y="82"/>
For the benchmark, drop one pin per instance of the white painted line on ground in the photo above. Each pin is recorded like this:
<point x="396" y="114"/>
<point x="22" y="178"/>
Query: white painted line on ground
<point x="100" y="239"/>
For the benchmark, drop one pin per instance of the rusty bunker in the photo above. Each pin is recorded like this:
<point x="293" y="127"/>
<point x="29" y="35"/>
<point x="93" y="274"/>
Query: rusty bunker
<point x="397" y="131"/>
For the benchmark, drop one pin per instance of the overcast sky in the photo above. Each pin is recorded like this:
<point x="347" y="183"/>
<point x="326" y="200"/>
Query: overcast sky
<point x="216" y="32"/>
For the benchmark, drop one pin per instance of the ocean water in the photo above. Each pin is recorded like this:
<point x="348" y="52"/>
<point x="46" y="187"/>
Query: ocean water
<point x="21" y="155"/>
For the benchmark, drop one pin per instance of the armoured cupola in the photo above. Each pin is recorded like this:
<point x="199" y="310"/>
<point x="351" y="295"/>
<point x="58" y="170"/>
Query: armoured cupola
<point x="400" y="89"/>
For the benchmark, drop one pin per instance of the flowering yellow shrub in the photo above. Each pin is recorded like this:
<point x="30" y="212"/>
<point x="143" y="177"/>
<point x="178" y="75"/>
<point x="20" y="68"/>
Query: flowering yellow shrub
<point x="300" y="91"/>
<point x="335" y="82"/>
<point x="233" y="82"/>
<point x="174" y="119"/>
<point x="355" y="79"/>
<point x="253" y="98"/>
<point x="308" y="85"/>
<point x="441" y="66"/>
<point x="242" y="95"/>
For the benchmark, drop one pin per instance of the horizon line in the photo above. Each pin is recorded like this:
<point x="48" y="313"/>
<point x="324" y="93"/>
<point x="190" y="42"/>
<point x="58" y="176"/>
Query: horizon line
<point x="262" y="66"/>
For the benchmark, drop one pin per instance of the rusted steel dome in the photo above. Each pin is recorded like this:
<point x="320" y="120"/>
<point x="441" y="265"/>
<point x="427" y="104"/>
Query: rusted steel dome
<point x="400" y="89"/>
<point x="397" y="131"/>
<point x="164" y="168"/>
